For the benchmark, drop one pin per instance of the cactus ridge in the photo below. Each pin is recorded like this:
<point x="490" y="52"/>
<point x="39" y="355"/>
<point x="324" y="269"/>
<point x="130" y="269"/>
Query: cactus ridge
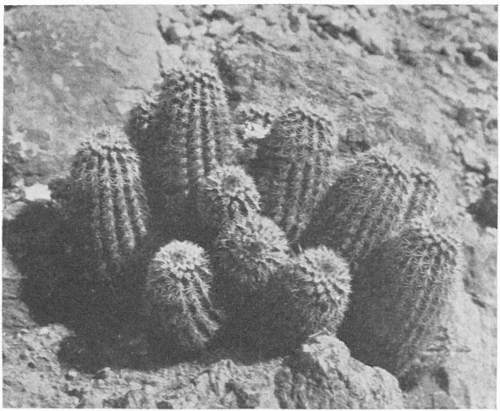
<point x="425" y="194"/>
<point x="178" y="297"/>
<point x="401" y="291"/>
<point x="294" y="167"/>
<point x="250" y="251"/>
<point x="225" y="193"/>
<point x="109" y="202"/>
<point x="365" y="203"/>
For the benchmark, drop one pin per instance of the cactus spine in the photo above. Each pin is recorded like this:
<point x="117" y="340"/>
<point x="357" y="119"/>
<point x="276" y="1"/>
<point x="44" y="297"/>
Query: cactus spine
<point x="425" y="194"/>
<point x="189" y="135"/>
<point x="227" y="192"/>
<point x="249" y="252"/>
<point x="109" y="206"/>
<point x="294" y="166"/>
<point x="366" y="202"/>
<point x="400" y="292"/>
<point x="311" y="295"/>
<point x="178" y="296"/>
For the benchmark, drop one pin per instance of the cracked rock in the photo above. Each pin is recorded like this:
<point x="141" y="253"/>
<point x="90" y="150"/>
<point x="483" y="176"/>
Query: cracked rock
<point x="322" y="374"/>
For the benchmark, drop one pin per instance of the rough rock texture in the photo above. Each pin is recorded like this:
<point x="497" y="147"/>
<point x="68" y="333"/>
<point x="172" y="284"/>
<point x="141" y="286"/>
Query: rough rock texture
<point x="422" y="78"/>
<point x="322" y="374"/>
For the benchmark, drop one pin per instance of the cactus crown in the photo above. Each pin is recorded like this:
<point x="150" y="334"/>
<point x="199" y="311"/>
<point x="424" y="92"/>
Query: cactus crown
<point x="322" y="279"/>
<point x="251" y="250"/>
<point x="177" y="295"/>
<point x="225" y="193"/>
<point x="299" y="127"/>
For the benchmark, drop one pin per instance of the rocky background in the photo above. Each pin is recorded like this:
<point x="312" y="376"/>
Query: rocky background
<point x="421" y="78"/>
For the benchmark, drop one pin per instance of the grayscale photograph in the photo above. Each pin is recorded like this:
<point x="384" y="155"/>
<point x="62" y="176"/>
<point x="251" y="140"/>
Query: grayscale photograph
<point x="250" y="206"/>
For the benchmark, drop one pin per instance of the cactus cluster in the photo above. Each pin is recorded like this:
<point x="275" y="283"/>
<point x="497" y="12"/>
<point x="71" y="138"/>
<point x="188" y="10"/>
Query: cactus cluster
<point x="108" y="204"/>
<point x="294" y="166"/>
<point x="178" y="296"/>
<point x="282" y="250"/>
<point x="403" y="288"/>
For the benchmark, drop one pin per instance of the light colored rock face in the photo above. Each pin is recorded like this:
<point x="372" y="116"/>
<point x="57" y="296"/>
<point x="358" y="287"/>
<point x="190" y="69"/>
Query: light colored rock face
<point x="322" y="374"/>
<point x="421" y="78"/>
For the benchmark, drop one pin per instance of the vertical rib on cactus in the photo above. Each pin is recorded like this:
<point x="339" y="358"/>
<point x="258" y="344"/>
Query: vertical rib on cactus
<point x="424" y="197"/>
<point x="227" y="192"/>
<point x="294" y="166"/>
<point x="109" y="206"/>
<point x="365" y="203"/>
<point x="178" y="296"/>
<point x="401" y="290"/>
<point x="190" y="135"/>
<point x="311" y="294"/>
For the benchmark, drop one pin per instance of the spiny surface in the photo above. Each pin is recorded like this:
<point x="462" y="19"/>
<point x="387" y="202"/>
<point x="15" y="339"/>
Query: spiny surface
<point x="312" y="294"/>
<point x="227" y="192"/>
<point x="294" y="166"/>
<point x="177" y="296"/>
<point x="399" y="294"/>
<point x="367" y="200"/>
<point x="108" y="205"/>
<point x="187" y="135"/>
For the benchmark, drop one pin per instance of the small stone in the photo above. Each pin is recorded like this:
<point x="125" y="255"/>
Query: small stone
<point x="464" y="116"/>
<point x="71" y="375"/>
<point x="37" y="191"/>
<point x="220" y="28"/>
<point x="175" y="33"/>
<point x="492" y="52"/>
<point x="103" y="374"/>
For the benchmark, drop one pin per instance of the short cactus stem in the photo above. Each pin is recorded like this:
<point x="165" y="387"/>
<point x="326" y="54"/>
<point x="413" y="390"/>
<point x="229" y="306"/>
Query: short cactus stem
<point x="108" y="203"/>
<point x="294" y="166"/>
<point x="399" y="294"/>
<point x="311" y="295"/>
<point x="178" y="297"/>
<point x="226" y="193"/>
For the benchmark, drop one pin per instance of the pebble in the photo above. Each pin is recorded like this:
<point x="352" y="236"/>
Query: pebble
<point x="103" y="374"/>
<point x="71" y="375"/>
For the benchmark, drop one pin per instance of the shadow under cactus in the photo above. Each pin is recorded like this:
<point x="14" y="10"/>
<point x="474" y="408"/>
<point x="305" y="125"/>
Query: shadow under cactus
<point x="109" y="328"/>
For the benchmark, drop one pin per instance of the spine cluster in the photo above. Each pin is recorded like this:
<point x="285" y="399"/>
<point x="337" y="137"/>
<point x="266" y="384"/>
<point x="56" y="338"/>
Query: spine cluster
<point x="402" y="289"/>
<point x="108" y="202"/>
<point x="178" y="296"/>
<point x="294" y="166"/>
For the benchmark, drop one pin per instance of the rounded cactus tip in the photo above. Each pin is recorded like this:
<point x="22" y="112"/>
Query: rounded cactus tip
<point x="178" y="297"/>
<point x="224" y="194"/>
<point x="317" y="288"/>
<point x="250" y="251"/>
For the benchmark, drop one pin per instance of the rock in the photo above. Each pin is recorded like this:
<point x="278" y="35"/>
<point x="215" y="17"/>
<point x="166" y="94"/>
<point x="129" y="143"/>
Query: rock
<point x="485" y="210"/>
<point x="322" y="374"/>
<point x="71" y="375"/>
<point x="220" y="28"/>
<point x="132" y="399"/>
<point x="175" y="33"/>
<point x="492" y="52"/>
<point x="103" y="374"/>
